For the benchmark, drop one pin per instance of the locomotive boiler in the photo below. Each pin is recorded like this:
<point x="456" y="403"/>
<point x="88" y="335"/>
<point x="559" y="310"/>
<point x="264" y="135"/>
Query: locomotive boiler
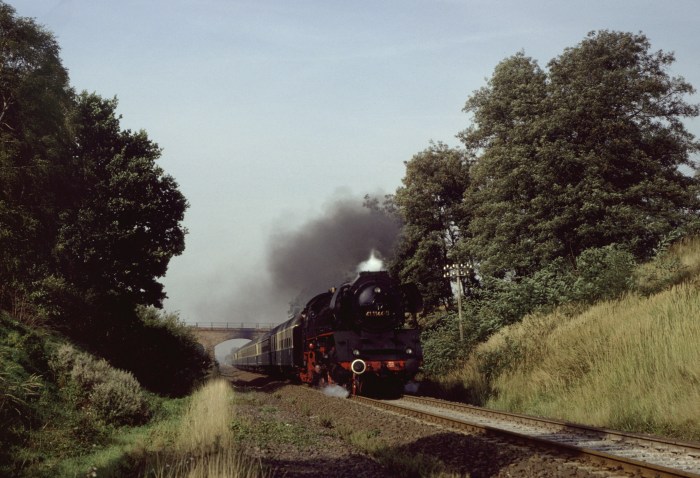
<point x="353" y="336"/>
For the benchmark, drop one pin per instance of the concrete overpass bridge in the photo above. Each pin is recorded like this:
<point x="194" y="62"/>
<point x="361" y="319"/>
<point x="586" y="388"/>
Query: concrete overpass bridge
<point x="211" y="334"/>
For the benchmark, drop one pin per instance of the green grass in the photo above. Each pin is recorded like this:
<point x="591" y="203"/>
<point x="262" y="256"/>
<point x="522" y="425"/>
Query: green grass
<point x="57" y="418"/>
<point x="267" y="430"/>
<point x="629" y="364"/>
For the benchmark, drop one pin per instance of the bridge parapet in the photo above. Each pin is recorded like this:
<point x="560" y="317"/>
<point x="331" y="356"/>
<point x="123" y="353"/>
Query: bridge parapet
<point x="210" y="334"/>
<point x="231" y="325"/>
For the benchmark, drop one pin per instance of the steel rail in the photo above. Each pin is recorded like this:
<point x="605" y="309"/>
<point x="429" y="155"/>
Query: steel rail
<point x="633" y="465"/>
<point x="627" y="437"/>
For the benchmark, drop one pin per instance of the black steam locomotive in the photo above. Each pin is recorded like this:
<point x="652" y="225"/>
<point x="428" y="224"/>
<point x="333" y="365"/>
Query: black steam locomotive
<point x="352" y="336"/>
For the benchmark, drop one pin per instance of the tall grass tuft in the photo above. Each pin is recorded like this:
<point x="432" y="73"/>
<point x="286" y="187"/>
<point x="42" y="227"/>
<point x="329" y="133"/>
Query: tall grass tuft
<point x="203" y="445"/>
<point x="206" y="425"/>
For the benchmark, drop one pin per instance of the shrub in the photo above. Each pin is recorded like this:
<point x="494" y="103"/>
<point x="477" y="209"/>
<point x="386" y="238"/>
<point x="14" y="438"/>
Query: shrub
<point x="603" y="273"/>
<point x="22" y="363"/>
<point x="441" y="347"/>
<point x="162" y="353"/>
<point x="87" y="372"/>
<point x="119" y="400"/>
<point x="109" y="394"/>
<point x="600" y="274"/>
<point x="494" y="360"/>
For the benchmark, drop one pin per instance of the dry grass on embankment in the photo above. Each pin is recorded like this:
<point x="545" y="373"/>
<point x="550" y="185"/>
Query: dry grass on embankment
<point x="630" y="364"/>
<point x="201" y="444"/>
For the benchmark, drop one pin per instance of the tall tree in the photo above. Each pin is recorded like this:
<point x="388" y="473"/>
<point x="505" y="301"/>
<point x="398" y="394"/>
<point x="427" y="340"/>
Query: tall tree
<point x="126" y="224"/>
<point x="429" y="205"/>
<point x="508" y="117"/>
<point x="35" y="99"/>
<point x="583" y="155"/>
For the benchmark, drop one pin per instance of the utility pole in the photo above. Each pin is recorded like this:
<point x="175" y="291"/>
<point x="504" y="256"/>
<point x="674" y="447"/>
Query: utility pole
<point x="457" y="272"/>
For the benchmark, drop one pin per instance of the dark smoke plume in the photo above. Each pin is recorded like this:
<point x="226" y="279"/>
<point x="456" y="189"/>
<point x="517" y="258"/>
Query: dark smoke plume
<point x="302" y="262"/>
<point x="326" y="251"/>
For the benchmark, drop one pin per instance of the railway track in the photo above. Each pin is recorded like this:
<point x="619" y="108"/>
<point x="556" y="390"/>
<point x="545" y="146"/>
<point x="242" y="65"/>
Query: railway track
<point x="638" y="454"/>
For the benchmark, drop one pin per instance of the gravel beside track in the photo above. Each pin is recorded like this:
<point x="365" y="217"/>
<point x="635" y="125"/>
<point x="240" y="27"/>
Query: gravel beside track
<point x="676" y="457"/>
<point x="320" y="444"/>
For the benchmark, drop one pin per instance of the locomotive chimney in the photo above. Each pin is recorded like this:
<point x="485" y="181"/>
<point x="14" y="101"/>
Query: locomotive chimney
<point x="373" y="264"/>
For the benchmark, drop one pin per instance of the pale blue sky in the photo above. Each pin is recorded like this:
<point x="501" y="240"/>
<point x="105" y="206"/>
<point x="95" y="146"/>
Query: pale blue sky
<point x="267" y="110"/>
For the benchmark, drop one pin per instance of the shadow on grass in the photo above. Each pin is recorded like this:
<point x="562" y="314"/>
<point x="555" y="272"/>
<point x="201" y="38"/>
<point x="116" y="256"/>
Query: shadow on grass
<point x="243" y="380"/>
<point x="448" y="454"/>
<point x="455" y="392"/>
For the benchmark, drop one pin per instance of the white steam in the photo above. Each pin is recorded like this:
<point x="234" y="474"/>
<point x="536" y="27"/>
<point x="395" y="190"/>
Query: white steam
<point x="336" y="391"/>
<point x="373" y="264"/>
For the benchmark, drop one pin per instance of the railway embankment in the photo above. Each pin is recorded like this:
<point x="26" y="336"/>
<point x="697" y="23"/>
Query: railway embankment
<point x="628" y="364"/>
<point x="65" y="412"/>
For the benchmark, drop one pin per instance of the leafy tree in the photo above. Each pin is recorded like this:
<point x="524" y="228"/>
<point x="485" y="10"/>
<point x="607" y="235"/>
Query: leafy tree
<point x="507" y="124"/>
<point x="580" y="156"/>
<point x="34" y="138"/>
<point x="80" y="199"/>
<point x="88" y="221"/>
<point x="125" y="226"/>
<point x="429" y="206"/>
<point x="387" y="205"/>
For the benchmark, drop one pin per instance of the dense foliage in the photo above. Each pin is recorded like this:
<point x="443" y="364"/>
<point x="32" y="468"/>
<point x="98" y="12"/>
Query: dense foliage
<point x="36" y="101"/>
<point x="58" y="403"/>
<point x="429" y="203"/>
<point x="583" y="155"/>
<point x="88" y="220"/>
<point x="569" y="176"/>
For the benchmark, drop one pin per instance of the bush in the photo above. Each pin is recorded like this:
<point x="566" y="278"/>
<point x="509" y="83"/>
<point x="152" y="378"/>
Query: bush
<point x="163" y="354"/>
<point x="87" y="372"/>
<point x="603" y="273"/>
<point x="17" y="389"/>
<point x="111" y="395"/>
<point x="120" y="399"/>
<point x="156" y="347"/>
<point x="492" y="361"/>
<point x="441" y="346"/>
<point x="600" y="274"/>
<point x="22" y="363"/>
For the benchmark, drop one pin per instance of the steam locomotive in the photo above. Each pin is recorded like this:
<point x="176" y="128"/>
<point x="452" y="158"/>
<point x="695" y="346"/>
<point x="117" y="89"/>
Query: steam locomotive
<point x="352" y="336"/>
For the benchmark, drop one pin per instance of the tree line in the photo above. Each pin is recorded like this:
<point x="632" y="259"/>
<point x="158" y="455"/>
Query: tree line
<point x="565" y="175"/>
<point x="88" y="220"/>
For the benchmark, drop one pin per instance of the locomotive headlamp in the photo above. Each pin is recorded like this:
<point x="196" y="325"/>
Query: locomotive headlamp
<point x="356" y="353"/>
<point x="358" y="366"/>
<point x="409" y="351"/>
<point x="377" y="290"/>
